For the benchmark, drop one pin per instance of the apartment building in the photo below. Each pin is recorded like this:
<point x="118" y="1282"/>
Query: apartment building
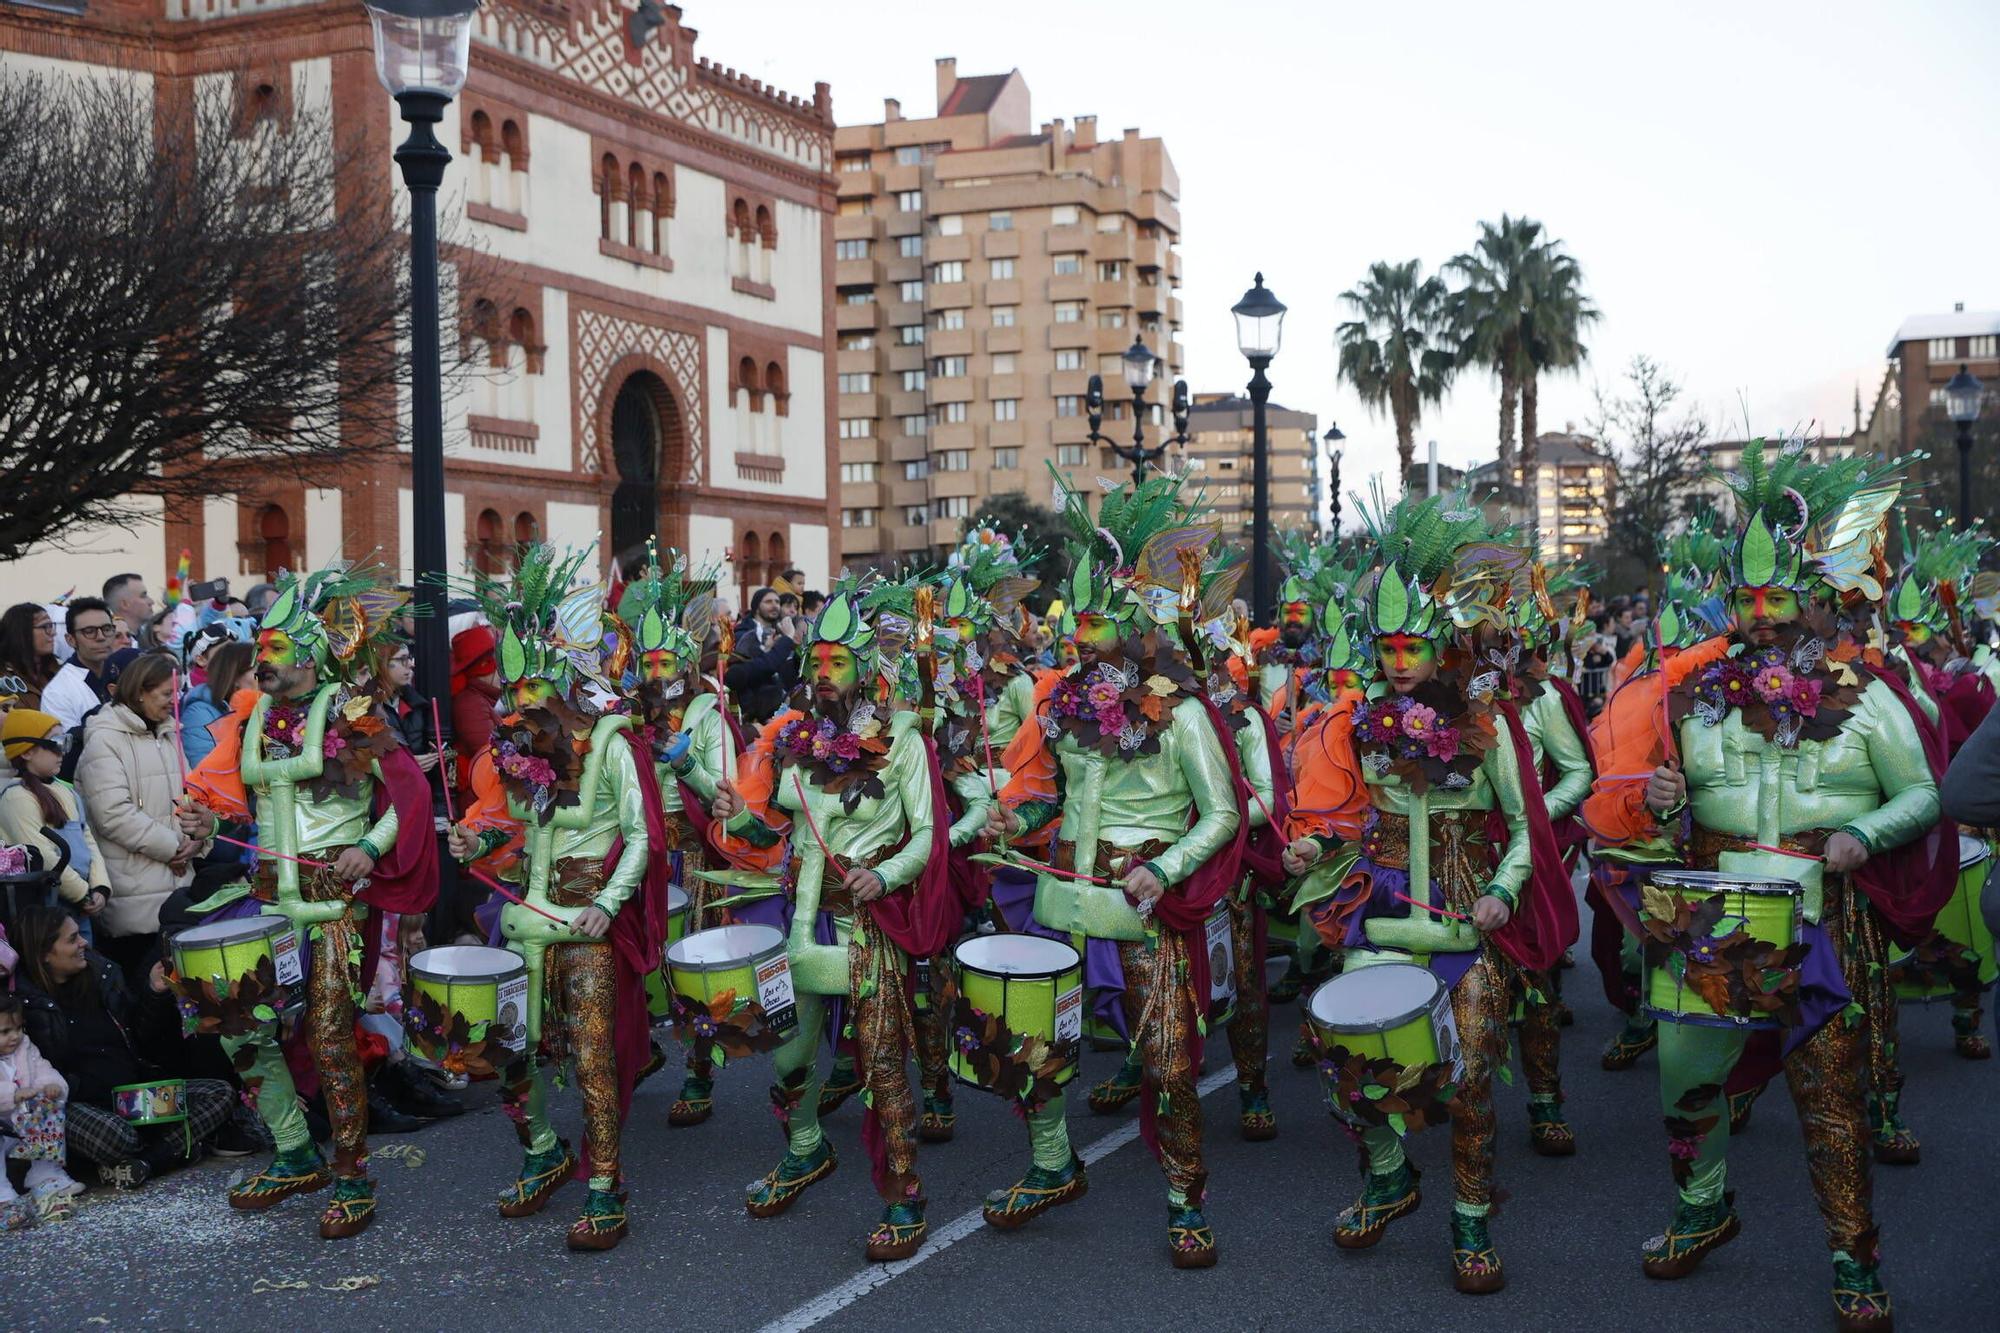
<point x="1575" y="489"/>
<point x="984" y="269"/>
<point x="1221" y="457"/>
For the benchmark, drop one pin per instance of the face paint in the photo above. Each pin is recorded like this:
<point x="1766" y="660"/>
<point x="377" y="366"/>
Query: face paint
<point x="1407" y="660"/>
<point x="526" y="694"/>
<point x="833" y="665"/>
<point x="1295" y="622"/>
<point x="277" y="648"/>
<point x="1778" y="605"/>
<point x="1066" y="654"/>
<point x="1914" y="633"/>
<point x="1342" y="679"/>
<point x="1096" y="632"/>
<point x="660" y="664"/>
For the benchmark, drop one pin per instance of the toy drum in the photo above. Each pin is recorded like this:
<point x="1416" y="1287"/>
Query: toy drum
<point x="1221" y="944"/>
<point x="748" y="962"/>
<point x="475" y="993"/>
<point x="1958" y="958"/>
<point x="656" y="980"/>
<point x="1768" y="910"/>
<point x="160" y="1103"/>
<point x="223" y="953"/>
<point x="1033" y="986"/>
<point x="1395" y="1011"/>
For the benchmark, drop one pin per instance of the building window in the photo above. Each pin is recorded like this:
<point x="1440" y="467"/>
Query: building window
<point x="1063" y="215"/>
<point x="1069" y="312"/>
<point x="1000" y="270"/>
<point x="916" y="469"/>
<point x="1003" y="316"/>
<point x="910" y="335"/>
<point x="1069" y="358"/>
<point x="1068" y="405"/>
<point x="909" y="201"/>
<point x="1110" y="270"/>
<point x="948" y="367"/>
<point x="913" y="381"/>
<point x="1006" y="409"/>
<point x="910" y="155"/>
<point x="1003" y="363"/>
<point x="949" y="320"/>
<point x="1937" y="398"/>
<point x="954" y="506"/>
<point x="857" y="296"/>
<point x="854" y="162"/>
<point x="948" y="414"/>
<point x="1982" y="347"/>
<point x="1111" y="319"/>
<point x="857" y="342"/>
<point x="955" y="460"/>
<point x="951" y="225"/>
<point x="857" y="518"/>
<point x="1942" y="349"/>
<point x="850" y="249"/>
<point x="999" y="222"/>
<point x="915" y="516"/>
<point x="857" y="472"/>
<point x="857" y="428"/>
<point x="911" y="289"/>
<point x="1067" y="264"/>
<point x="1006" y="460"/>
<point x="949" y="270"/>
<point x="909" y="247"/>
<point x="915" y="427"/>
<point x="859" y="381"/>
<point x="1069" y="455"/>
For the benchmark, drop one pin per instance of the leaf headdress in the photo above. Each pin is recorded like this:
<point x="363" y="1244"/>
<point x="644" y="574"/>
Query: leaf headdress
<point x="549" y="614"/>
<point x="1435" y="568"/>
<point x="341" y="617"/>
<point x="668" y="611"/>
<point x="1808" y="525"/>
<point x="1125" y="563"/>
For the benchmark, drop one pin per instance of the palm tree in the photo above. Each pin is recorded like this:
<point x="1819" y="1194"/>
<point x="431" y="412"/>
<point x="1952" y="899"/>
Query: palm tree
<point x="1393" y="353"/>
<point x="1486" y="313"/>
<point x="1551" y="333"/>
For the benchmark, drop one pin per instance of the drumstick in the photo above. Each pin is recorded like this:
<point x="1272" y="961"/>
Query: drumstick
<point x="328" y="865"/>
<point x="1782" y="851"/>
<point x="1428" y="908"/>
<point x="500" y="889"/>
<point x="266" y="851"/>
<point x="1666" y="722"/>
<point x="1029" y="863"/>
<point x="806" y="810"/>
<point x="444" y="779"/>
<point x="180" y="753"/>
<point x="725" y="646"/>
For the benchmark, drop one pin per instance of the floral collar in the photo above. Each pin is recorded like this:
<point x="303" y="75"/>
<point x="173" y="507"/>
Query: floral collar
<point x="1785" y="695"/>
<point x="845" y="761"/>
<point x="354" y="740"/>
<point x="1120" y="705"/>
<point x="1435" y="736"/>
<point x="539" y="755"/>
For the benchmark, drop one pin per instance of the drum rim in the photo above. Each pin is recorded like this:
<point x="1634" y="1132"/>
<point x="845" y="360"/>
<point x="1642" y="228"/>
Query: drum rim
<point x="1985" y="851"/>
<point x="728" y="965"/>
<point x="681" y="906"/>
<point x="518" y="968"/>
<point x="264" y="923"/>
<point x="1048" y="975"/>
<point x="1379" y="1025"/>
<point x="1725" y="881"/>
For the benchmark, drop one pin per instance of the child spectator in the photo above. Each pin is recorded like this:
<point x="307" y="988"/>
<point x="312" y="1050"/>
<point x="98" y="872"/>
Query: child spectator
<point x="32" y="1098"/>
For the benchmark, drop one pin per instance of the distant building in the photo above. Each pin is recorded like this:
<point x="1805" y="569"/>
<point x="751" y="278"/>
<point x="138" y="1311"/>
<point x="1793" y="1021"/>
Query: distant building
<point x="1925" y="353"/>
<point x="1221" y="459"/>
<point x="1574" y="490"/>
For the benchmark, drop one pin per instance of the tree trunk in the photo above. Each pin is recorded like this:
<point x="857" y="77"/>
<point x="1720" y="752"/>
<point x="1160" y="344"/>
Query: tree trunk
<point x="1509" y="392"/>
<point x="1530" y="448"/>
<point x="1406" y="444"/>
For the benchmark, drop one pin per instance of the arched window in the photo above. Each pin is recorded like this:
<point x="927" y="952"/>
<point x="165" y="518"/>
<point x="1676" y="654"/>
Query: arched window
<point x="742" y="218"/>
<point x="489" y="550"/>
<point x="609" y="184"/>
<point x="514" y="165"/>
<point x="748" y="380"/>
<point x="774" y="381"/>
<point x="774" y="557"/>
<point x="767" y="228"/>
<point x="526" y="528"/>
<point x="481" y="135"/>
<point x="511" y="145"/>
<point x="635" y="193"/>
<point x="274" y="526"/>
<point x="749" y="565"/>
<point x="663" y="208"/>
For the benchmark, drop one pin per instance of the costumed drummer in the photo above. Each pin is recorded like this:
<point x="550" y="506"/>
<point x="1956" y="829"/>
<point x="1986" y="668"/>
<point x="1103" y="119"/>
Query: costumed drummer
<point x="334" y="787"/>
<point x="1454" y="864"/>
<point x="849" y="781"/>
<point x="592" y="921"/>
<point x="1129" y="752"/>
<point x="1799" y="758"/>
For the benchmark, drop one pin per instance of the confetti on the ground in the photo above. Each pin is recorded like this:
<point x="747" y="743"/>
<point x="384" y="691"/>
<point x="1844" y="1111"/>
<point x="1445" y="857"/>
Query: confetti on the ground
<point x="264" y="1284"/>
<point x="408" y="1153"/>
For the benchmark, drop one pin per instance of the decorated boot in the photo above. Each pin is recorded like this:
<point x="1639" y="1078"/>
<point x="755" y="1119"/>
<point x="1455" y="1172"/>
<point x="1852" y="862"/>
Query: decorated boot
<point x="542" y="1174"/>
<point x="1633" y="1040"/>
<point x="695" y="1104"/>
<point x="1116" y="1093"/>
<point x="1303" y="1055"/>
<point x="1034" y="1194"/>
<point x="781" y="1188"/>
<point x="1475" y="1264"/>
<point x="1967" y="1039"/>
<point x="1548" y="1131"/>
<point x="300" y="1171"/>
<point x="1190" y="1239"/>
<point x="602" y="1224"/>
<point x="842" y="1083"/>
<point x="1860" y="1301"/>
<point x="1893" y="1142"/>
<point x="938" y="1121"/>
<point x="350" y="1210"/>
<point x="1258" y="1121"/>
<point x="1740" y="1105"/>
<point x="1695" y="1230"/>
<point x="1383" y="1199"/>
<point x="899" y="1234"/>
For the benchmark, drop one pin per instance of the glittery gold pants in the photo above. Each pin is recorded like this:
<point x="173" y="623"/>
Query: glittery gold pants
<point x="1540" y="1036"/>
<point x="1827" y="1076"/>
<point x="933" y="1041"/>
<point x="1479" y="1006"/>
<point x="1250" y="1029"/>
<point x="580" y="989"/>
<point x="329" y="1030"/>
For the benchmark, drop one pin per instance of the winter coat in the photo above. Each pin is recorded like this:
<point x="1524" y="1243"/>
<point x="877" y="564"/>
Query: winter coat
<point x="21" y="824"/>
<point x="130" y="776"/>
<point x="100" y="1046"/>
<point x="32" y="1073"/>
<point x="198" y="712"/>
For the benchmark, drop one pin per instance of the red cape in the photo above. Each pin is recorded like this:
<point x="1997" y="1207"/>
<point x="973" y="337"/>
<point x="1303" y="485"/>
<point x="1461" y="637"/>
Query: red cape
<point x="1910" y="885"/>
<point x="1544" y="922"/>
<point x="1571" y="834"/>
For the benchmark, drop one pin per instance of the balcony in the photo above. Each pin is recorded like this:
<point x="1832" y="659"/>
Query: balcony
<point x="860" y="451"/>
<point x="1064" y="382"/>
<point x="956" y="483"/>
<point x="1111" y="295"/>
<point x="950" y="342"/>
<point x="857" y="318"/>
<point x="1000" y="244"/>
<point x="1003" y="386"/>
<point x="948" y="295"/>
<point x="1111" y="342"/>
<point x="958" y="389"/>
<point x="1070" y="335"/>
<point x="1063" y="240"/>
<point x="903" y="404"/>
<point x="856" y="227"/>
<point x="957" y="436"/>
<point x="860" y="542"/>
<point x="857" y="273"/>
<point x="1005" y="292"/>
<point x="860" y="495"/>
<point x="1150" y="252"/>
<point x="859" y="184"/>
<point x="897" y="179"/>
<point x="945" y="531"/>
<point x="948" y="247"/>
<point x="1003" y="340"/>
<point x="1069" y="287"/>
<point x="861" y="405"/>
<point x="1112" y="245"/>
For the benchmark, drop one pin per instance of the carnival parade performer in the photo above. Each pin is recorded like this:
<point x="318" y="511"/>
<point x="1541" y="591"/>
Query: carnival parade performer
<point x="590" y="922"/>
<point x="1454" y="868"/>
<point x="849" y="780"/>
<point x="344" y="816"/>
<point x="1800" y="758"/>
<point x="1127" y="750"/>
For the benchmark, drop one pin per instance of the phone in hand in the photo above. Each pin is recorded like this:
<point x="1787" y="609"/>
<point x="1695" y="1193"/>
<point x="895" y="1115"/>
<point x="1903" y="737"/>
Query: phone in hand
<point x="210" y="591"/>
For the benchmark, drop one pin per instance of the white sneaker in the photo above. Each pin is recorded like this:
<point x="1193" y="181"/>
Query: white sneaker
<point x="48" y="1178"/>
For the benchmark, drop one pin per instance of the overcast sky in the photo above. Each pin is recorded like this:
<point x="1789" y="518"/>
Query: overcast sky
<point x="1758" y="193"/>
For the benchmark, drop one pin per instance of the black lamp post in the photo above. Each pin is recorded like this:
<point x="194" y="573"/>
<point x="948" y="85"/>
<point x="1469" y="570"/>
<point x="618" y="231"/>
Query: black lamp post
<point x="421" y="51"/>
<point x="1139" y="366"/>
<point x="1260" y="320"/>
<point x="1962" y="401"/>
<point x="1333" y="437"/>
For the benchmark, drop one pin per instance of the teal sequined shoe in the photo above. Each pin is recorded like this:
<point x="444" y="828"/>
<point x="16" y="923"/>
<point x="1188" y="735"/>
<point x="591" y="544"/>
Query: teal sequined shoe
<point x="1548" y="1131"/>
<point x="695" y="1104"/>
<point x="1475" y="1264"/>
<point x="899" y="1234"/>
<point x="1893" y="1142"/>
<point x="938" y="1121"/>
<point x="781" y="1188"/>
<point x="1257" y="1120"/>
<point x="1119" y="1091"/>
<point x="1696" y="1229"/>
<point x="300" y="1171"/>
<point x="542" y="1174"/>
<point x="1383" y="1199"/>
<point x="1190" y="1240"/>
<point x="1034" y="1194"/>
<point x="842" y="1083"/>
<point x="1860" y="1301"/>
<point x="1638" y="1036"/>
<point x="350" y="1210"/>
<point x="602" y="1225"/>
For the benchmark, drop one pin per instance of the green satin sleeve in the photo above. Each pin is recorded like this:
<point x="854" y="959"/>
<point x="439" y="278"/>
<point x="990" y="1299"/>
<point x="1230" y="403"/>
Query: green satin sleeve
<point x="1005" y="715"/>
<point x="1910" y="807"/>
<point x="382" y="836"/>
<point x="1253" y="751"/>
<point x="1205" y="769"/>
<point x="907" y="777"/>
<point x="1915" y="680"/>
<point x="618" y="783"/>
<point x="977" y="796"/>
<point x="1503" y="775"/>
<point x="1552" y="736"/>
<point x="706" y="737"/>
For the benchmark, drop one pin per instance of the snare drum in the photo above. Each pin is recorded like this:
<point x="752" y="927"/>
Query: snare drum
<point x="1033" y="986"/>
<point x="1221" y="942"/>
<point x="1958" y="958"/>
<point x="160" y="1103"/>
<point x="466" y="994"/>
<point x="656" y="980"/>
<point x="226" y="953"/>
<point x="747" y="962"/>
<point x="1769" y="910"/>
<point x="1393" y="1011"/>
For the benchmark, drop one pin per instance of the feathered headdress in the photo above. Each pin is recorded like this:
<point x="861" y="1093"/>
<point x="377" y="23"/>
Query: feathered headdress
<point x="550" y="621"/>
<point x="666" y="611"/>
<point x="1691" y="606"/>
<point x="1436" y="569"/>
<point x="340" y="617"/>
<point x="1807" y="525"/>
<point x="1129" y="559"/>
<point x="1317" y="571"/>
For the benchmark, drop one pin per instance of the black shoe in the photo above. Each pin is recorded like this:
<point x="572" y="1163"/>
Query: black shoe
<point x="235" y="1140"/>
<point x="413" y="1092"/>
<point x="384" y="1118"/>
<point x="129" y="1174"/>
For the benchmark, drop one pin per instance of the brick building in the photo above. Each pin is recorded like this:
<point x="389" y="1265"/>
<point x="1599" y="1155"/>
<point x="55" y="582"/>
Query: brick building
<point x="985" y="268"/>
<point x="1222" y="461"/>
<point x="657" y="325"/>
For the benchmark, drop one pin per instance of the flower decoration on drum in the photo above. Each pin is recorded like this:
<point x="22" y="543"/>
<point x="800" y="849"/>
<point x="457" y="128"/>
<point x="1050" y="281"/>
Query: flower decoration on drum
<point x="1369" y="1092"/>
<point x="1027" y="1069"/>
<point x="444" y="1039"/>
<point x="1700" y="946"/>
<point x="725" y="1028"/>
<point x="235" y="1009"/>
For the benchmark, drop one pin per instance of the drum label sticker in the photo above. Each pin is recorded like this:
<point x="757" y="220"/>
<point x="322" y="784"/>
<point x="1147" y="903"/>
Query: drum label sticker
<point x="775" y="994"/>
<point x="1069" y="1015"/>
<point x="510" y="1007"/>
<point x="285" y="957"/>
<point x="1221" y="960"/>
<point x="1444" y="1027"/>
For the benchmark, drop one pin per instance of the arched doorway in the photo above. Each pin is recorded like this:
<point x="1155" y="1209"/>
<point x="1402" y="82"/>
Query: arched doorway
<point x="646" y="446"/>
<point x="274" y="528"/>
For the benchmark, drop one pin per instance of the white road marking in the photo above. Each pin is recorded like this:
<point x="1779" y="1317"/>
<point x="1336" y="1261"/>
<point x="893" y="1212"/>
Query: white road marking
<point x="833" y="1301"/>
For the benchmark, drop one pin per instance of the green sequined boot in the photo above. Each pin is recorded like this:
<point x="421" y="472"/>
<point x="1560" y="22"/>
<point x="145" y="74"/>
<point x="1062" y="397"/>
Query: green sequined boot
<point x="899" y="1234"/>
<point x="1893" y="1142"/>
<point x="1384" y="1198"/>
<point x="350" y="1210"/>
<point x="695" y="1104"/>
<point x="1638" y="1036"/>
<point x="938" y="1121"/>
<point x="842" y="1083"/>
<point x="1860" y="1301"/>
<point x="300" y="1171"/>
<point x="1475" y="1264"/>
<point x="1034" y="1194"/>
<point x="1258" y="1121"/>
<point x="602" y="1224"/>
<point x="1190" y="1239"/>
<point x="1548" y="1131"/>
<point x="542" y="1174"/>
<point x="1695" y="1230"/>
<point x="777" y="1191"/>
<point x="1117" y="1092"/>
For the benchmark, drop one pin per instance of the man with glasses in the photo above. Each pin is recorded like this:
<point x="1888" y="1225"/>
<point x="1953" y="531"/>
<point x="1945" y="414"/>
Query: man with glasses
<point x="82" y="684"/>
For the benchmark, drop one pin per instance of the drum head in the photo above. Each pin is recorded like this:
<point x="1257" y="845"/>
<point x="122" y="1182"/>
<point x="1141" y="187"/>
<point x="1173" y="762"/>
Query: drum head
<point x="1717" y="881"/>
<point x="724" y="946"/>
<point x="212" y="933"/>
<point x="677" y="899"/>
<point x="1971" y="850"/>
<point x="1016" y="955"/>
<point x="465" y="960"/>
<point x="1370" y="999"/>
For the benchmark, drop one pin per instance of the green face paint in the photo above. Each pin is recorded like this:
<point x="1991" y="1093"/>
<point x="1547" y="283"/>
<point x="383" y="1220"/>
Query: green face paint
<point x="1095" y="632"/>
<point x="1778" y="605"/>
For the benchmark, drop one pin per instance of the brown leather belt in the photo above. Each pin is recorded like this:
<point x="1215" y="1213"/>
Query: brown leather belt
<point x="1112" y="861"/>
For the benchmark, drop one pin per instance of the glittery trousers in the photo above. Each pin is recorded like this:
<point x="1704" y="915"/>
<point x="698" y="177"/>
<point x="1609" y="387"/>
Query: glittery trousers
<point x="1250" y="1029"/>
<point x="580" y="995"/>
<point x="1159" y="1015"/>
<point x="329" y="1029"/>
<point x="1479" y="1006"/>
<point x="933" y="1041"/>
<point x="1540" y="1036"/>
<point x="1826" y="1074"/>
<point x="878" y="1014"/>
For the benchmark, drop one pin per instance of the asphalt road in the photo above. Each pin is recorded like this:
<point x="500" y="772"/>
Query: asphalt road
<point x="173" y="1255"/>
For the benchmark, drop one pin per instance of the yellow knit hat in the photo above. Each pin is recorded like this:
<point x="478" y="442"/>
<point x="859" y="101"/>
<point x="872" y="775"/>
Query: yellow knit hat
<point x="23" y="727"/>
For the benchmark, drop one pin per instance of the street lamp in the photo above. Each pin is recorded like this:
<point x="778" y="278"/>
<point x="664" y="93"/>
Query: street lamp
<point x="1260" y="321"/>
<point x="1962" y="400"/>
<point x="1334" y="437"/>
<point x="421" y="51"/>
<point x="1139" y="366"/>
